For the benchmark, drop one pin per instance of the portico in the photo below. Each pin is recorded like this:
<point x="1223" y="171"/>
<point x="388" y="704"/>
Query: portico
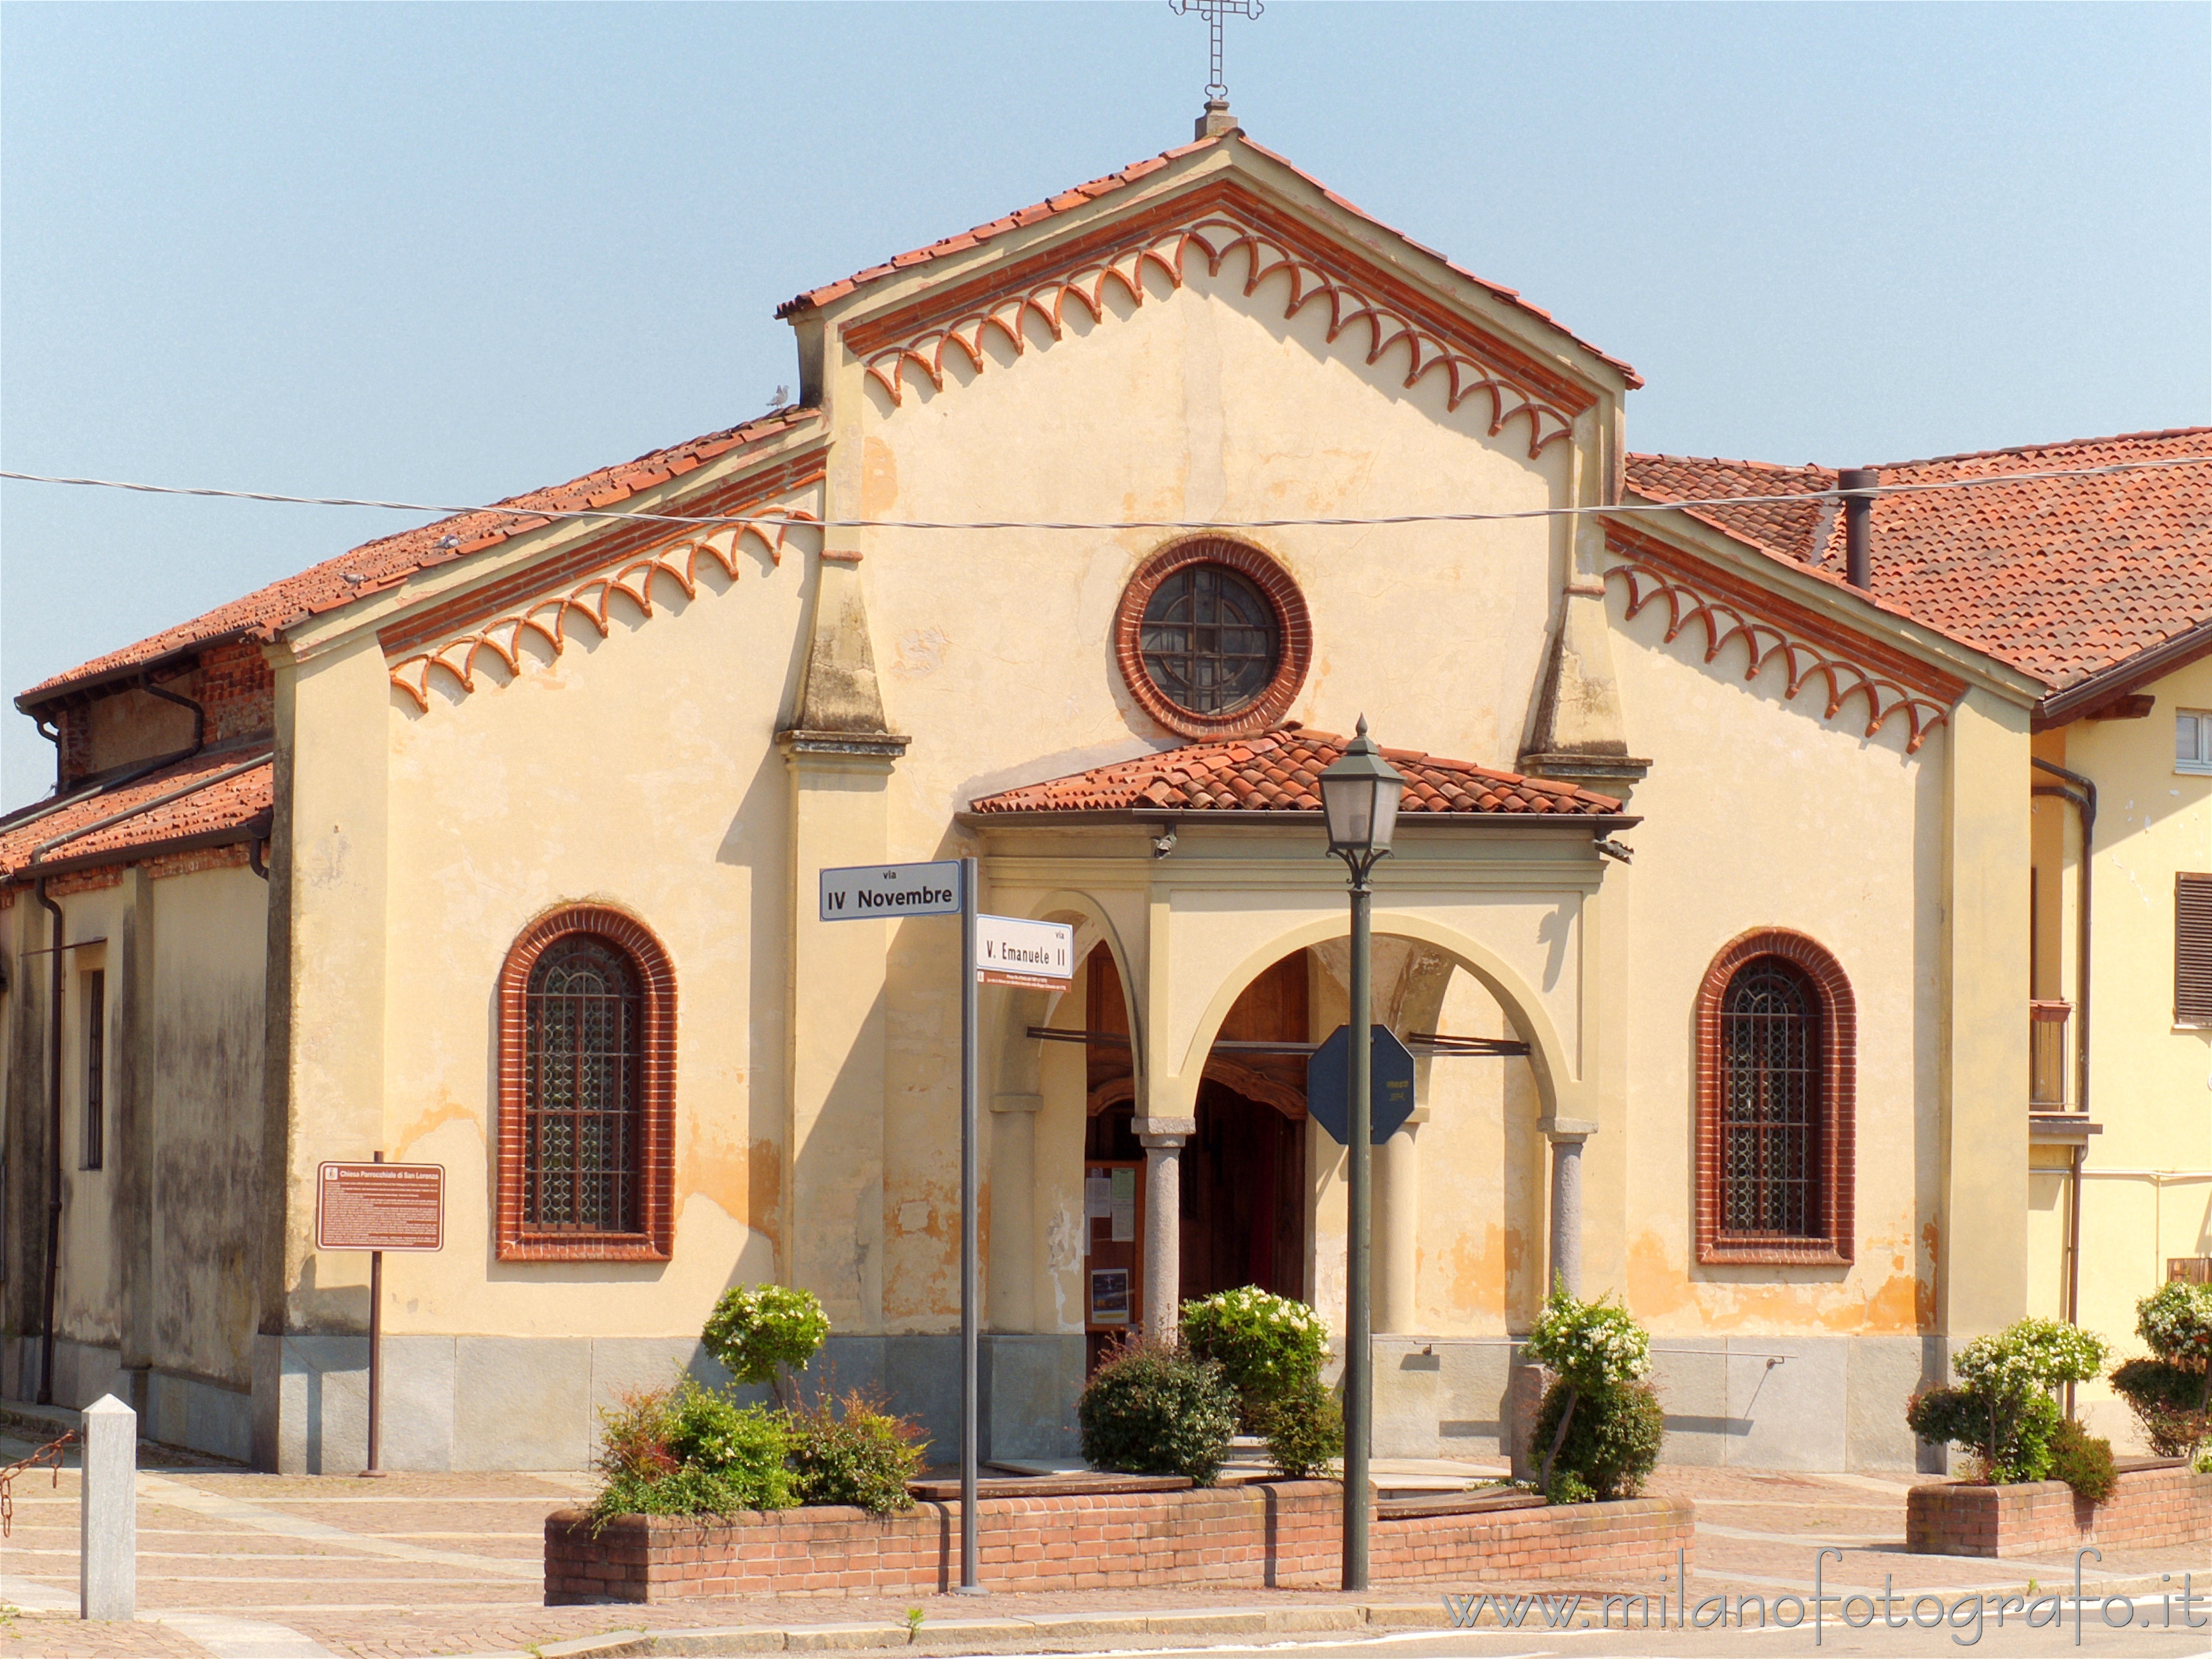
<point x="1197" y="872"/>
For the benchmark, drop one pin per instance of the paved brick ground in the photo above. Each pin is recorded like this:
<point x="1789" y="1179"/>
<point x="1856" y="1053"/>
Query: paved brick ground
<point x="234" y="1566"/>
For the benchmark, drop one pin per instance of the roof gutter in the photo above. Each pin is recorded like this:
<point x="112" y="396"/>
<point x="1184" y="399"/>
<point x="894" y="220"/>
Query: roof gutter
<point x="1598" y="825"/>
<point x="2060" y="706"/>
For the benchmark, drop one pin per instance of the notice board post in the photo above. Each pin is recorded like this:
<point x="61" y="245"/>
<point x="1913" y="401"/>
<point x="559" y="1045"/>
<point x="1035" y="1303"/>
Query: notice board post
<point x="378" y="1206"/>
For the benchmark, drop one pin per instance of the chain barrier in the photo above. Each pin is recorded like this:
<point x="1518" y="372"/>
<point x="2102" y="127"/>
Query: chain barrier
<point x="47" y="1456"/>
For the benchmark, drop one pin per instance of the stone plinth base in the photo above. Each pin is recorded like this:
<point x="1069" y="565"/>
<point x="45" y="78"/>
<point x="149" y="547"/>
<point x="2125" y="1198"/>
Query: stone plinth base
<point x="1283" y="1535"/>
<point x="2152" y="1508"/>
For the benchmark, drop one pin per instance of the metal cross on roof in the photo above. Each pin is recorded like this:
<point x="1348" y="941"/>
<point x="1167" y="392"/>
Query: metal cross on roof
<point x="1213" y="11"/>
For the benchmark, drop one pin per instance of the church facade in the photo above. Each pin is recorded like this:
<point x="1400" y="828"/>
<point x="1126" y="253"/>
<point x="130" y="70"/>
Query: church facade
<point x="494" y="844"/>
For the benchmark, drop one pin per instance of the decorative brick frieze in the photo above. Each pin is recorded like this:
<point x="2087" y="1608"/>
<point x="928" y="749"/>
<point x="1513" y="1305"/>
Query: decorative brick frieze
<point x="1810" y="646"/>
<point x="544" y="600"/>
<point x="2154" y="1508"/>
<point x="1365" y="305"/>
<point x="1283" y="1535"/>
<point x="656" y="1170"/>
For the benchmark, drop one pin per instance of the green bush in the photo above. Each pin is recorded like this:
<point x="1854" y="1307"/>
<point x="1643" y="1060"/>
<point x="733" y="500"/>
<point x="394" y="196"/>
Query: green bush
<point x="1589" y="1344"/>
<point x="687" y="1450"/>
<point x="755" y="1328"/>
<point x="860" y="1454"/>
<point x="2176" y="1320"/>
<point x="1154" y="1408"/>
<point x="1268" y="1347"/>
<point x="2083" y="1461"/>
<point x="2002" y="1410"/>
<point x="1612" y="1442"/>
<point x="1304" y="1430"/>
<point x="2165" y="1399"/>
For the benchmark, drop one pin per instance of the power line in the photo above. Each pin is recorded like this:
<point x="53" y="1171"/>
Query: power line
<point x="781" y="520"/>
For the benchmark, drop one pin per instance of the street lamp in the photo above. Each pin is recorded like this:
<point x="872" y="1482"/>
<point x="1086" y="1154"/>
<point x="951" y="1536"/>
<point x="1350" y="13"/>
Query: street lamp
<point x="1359" y="802"/>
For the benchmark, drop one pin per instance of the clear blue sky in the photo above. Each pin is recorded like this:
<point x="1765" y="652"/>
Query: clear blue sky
<point x="444" y="253"/>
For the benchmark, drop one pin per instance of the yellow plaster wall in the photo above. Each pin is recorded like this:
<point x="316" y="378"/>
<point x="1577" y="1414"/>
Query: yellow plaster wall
<point x="1760" y="813"/>
<point x="639" y="771"/>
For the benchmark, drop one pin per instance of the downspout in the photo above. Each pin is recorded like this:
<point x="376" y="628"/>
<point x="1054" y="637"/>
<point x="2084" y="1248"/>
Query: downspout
<point x="53" y="1147"/>
<point x="2085" y="804"/>
<point x="53" y="734"/>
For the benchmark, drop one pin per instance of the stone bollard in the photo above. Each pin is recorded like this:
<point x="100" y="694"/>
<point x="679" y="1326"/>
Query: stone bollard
<point x="108" y="1511"/>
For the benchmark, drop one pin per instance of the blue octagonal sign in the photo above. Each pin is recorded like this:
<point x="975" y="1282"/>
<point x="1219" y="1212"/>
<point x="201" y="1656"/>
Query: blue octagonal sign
<point x="1390" y="1077"/>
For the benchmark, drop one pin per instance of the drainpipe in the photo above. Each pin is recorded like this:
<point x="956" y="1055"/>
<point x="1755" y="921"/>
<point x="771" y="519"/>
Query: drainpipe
<point x="53" y="1146"/>
<point x="52" y="733"/>
<point x="2084" y="797"/>
<point x="1858" y="485"/>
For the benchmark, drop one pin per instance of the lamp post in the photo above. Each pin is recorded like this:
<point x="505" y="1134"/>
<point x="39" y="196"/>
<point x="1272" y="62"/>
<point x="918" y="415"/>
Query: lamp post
<point x="1359" y="802"/>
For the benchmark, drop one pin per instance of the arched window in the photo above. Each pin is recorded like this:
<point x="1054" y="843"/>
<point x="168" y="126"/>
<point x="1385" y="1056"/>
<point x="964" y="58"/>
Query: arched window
<point x="586" y="1091"/>
<point x="1777" y="1035"/>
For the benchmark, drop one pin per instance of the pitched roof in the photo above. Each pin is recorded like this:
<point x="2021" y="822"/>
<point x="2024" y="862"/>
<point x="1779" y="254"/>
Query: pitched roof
<point x="215" y="791"/>
<point x="1108" y="184"/>
<point x="266" y="613"/>
<point x="2063" y="578"/>
<point x="1279" y="771"/>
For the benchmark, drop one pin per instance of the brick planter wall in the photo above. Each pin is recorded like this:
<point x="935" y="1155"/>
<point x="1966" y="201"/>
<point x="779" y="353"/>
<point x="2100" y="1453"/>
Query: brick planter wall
<point x="1281" y="1534"/>
<point x="2153" y="1507"/>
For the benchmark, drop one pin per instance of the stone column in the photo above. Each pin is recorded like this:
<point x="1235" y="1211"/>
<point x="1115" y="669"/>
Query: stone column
<point x="1397" y="1221"/>
<point x="1162" y="1140"/>
<point x="1566" y="1136"/>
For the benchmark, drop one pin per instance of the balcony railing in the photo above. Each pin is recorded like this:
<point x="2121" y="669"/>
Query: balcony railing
<point x="2049" y="1056"/>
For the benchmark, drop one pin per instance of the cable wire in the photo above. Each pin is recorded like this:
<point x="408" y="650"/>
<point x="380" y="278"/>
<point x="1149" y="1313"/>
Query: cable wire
<point x="1347" y="523"/>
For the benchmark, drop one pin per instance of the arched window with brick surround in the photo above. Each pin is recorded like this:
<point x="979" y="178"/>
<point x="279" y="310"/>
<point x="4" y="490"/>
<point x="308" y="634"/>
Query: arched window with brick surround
<point x="587" y="1090"/>
<point x="1777" y="1043"/>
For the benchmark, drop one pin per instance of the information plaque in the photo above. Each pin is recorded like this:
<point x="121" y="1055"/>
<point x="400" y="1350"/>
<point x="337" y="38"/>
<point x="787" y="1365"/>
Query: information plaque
<point x="380" y="1206"/>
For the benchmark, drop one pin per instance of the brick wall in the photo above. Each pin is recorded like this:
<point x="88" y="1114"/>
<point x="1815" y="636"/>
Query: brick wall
<point x="235" y="687"/>
<point x="1283" y="1535"/>
<point x="2152" y="1508"/>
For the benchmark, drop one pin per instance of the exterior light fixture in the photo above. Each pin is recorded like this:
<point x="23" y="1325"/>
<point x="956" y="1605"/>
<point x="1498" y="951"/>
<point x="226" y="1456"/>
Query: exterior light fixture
<point x="1359" y="796"/>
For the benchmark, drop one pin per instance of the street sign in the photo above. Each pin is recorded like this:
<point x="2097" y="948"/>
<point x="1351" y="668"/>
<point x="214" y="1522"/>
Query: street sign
<point x="1390" y="1094"/>
<point x="380" y="1206"/>
<point x="1010" y="950"/>
<point x="868" y="892"/>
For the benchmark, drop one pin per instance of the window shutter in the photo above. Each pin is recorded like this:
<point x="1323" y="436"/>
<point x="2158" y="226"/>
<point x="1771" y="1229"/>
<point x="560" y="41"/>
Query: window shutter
<point x="2192" y="950"/>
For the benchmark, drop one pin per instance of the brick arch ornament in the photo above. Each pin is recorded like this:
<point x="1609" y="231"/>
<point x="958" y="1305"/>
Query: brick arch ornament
<point x="1835" y="1141"/>
<point x="656" y="1087"/>
<point x="1293" y="628"/>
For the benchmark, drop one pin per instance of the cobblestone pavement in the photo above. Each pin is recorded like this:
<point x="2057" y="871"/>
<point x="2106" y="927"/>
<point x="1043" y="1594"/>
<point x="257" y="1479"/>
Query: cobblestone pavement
<point x="236" y="1566"/>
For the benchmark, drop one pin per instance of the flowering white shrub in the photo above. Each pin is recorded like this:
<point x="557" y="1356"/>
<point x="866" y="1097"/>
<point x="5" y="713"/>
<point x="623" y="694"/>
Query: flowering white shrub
<point x="1268" y="1345"/>
<point x="2176" y="1320"/>
<point x="1591" y="1345"/>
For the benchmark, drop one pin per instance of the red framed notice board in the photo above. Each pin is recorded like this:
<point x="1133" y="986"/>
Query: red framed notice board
<point x="380" y="1206"/>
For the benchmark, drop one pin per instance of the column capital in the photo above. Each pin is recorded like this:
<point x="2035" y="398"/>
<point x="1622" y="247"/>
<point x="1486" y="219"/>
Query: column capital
<point x="1572" y="1129"/>
<point x="1164" y="1131"/>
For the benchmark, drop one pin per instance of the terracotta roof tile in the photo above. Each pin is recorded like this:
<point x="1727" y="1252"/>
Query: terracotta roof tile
<point x="268" y="611"/>
<point x="2062" y="578"/>
<point x="208" y="801"/>
<point x="1083" y="194"/>
<point x="1279" y="771"/>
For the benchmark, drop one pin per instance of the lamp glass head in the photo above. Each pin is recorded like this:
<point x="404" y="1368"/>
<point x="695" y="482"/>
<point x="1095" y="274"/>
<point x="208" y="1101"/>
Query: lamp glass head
<point x="1359" y="796"/>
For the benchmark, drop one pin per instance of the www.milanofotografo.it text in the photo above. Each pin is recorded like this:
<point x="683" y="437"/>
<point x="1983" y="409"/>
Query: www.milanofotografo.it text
<point x="2061" y="1611"/>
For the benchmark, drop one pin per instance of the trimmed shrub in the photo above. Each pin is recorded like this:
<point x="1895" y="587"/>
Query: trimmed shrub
<point x="1589" y="1344"/>
<point x="859" y="1454"/>
<point x="1153" y="1408"/>
<point x="1268" y="1347"/>
<point x="2002" y="1410"/>
<point x="1304" y="1430"/>
<point x="687" y="1450"/>
<point x="2172" y="1395"/>
<point x="2083" y="1461"/>
<point x="755" y="1328"/>
<point x="1612" y="1442"/>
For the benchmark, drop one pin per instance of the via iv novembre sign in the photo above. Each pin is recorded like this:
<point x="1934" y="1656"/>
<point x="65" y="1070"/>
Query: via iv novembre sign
<point x="862" y="892"/>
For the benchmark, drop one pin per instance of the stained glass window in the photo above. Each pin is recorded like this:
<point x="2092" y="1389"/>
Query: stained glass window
<point x="1769" y="1103"/>
<point x="1210" y="640"/>
<point x="583" y="1019"/>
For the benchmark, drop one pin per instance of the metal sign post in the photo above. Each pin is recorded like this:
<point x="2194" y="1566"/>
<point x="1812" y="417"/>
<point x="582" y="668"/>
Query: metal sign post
<point x="378" y="1206"/>
<point x="970" y="1287"/>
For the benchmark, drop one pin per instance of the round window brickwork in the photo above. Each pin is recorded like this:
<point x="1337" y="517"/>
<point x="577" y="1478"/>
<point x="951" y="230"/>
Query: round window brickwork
<point x="1214" y="638"/>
